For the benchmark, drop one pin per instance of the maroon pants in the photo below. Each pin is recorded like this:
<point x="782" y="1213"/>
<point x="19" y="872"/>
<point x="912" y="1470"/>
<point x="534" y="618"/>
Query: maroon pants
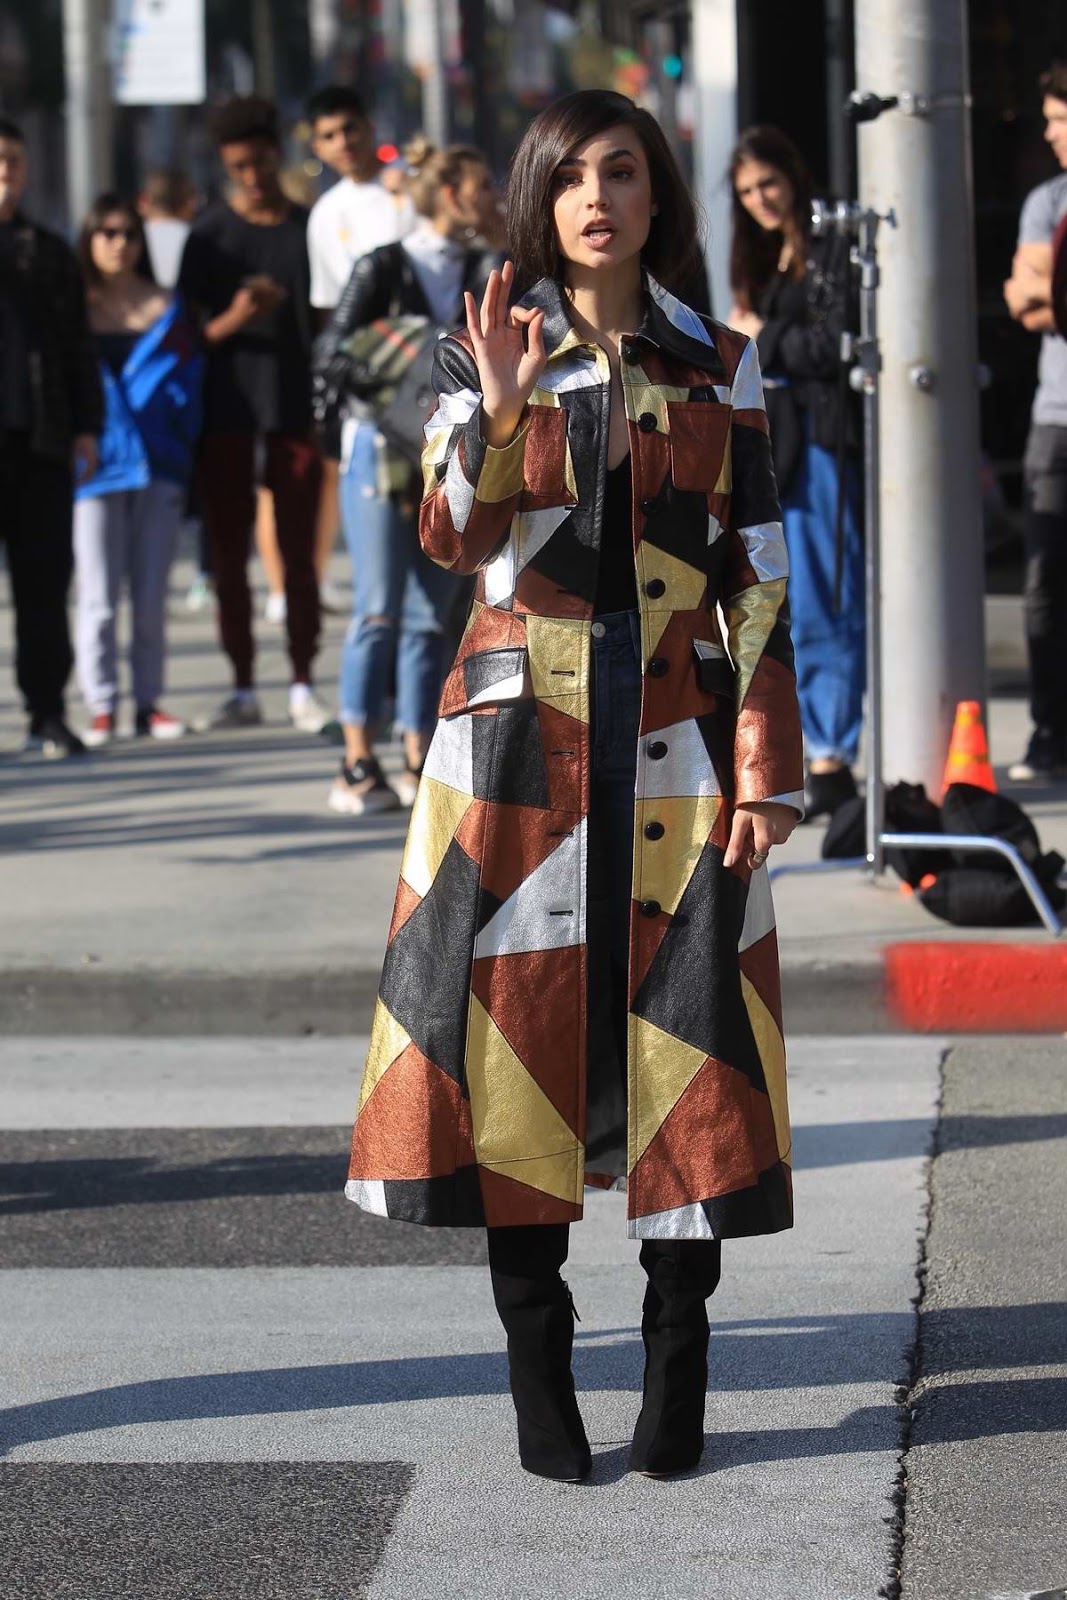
<point x="293" y="473"/>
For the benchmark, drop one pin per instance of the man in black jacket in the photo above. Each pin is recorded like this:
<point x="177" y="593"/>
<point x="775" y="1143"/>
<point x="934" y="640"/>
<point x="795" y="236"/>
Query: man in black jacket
<point x="51" y="412"/>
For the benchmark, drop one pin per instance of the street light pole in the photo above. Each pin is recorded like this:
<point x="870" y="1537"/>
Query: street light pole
<point x="915" y="161"/>
<point x="88" y="103"/>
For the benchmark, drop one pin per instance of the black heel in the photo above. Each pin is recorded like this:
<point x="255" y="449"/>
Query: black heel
<point x="669" y="1436"/>
<point x="538" y="1316"/>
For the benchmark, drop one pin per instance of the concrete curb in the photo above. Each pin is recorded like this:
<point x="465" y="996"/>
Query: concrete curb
<point x="920" y="987"/>
<point x="833" y="998"/>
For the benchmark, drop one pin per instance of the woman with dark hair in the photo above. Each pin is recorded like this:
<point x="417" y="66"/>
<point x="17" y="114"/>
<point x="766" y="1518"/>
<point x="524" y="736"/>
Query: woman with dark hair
<point x="401" y="602"/>
<point x="126" y="516"/>
<point x="793" y="297"/>
<point x="581" y="981"/>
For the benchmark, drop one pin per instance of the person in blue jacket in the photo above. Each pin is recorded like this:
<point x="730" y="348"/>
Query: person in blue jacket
<point x="127" y="515"/>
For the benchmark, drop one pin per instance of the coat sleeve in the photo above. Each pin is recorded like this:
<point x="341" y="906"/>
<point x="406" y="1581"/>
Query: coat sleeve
<point x="470" y="490"/>
<point x="768" y="748"/>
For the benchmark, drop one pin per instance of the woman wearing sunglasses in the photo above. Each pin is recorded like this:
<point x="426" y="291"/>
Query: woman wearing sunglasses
<point x="126" y="517"/>
<point x="581" y="983"/>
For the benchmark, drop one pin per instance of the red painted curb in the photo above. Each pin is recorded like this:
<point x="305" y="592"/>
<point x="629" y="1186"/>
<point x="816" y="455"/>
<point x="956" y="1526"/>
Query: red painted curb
<point x="977" y="988"/>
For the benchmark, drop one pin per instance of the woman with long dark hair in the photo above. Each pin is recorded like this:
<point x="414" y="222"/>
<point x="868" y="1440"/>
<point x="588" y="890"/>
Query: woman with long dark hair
<point x="127" y="515"/>
<point x="581" y="982"/>
<point x="792" y="296"/>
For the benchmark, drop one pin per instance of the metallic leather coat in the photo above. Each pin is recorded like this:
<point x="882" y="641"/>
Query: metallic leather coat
<point x="482" y="1074"/>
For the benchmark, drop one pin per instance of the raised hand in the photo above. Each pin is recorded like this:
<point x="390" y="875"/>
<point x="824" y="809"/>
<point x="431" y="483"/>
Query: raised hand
<point x="507" y="368"/>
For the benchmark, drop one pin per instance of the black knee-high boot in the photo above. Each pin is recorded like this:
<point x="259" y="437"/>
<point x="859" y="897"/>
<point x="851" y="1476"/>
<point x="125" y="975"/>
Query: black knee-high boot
<point x="537" y="1311"/>
<point x="682" y="1273"/>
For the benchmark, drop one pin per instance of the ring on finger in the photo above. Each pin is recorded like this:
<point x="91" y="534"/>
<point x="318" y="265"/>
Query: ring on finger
<point x="757" y="858"/>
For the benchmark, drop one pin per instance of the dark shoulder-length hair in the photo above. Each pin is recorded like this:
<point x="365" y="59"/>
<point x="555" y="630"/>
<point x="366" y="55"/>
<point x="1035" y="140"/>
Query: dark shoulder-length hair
<point x="107" y="205"/>
<point x="671" y="251"/>
<point x="754" y="251"/>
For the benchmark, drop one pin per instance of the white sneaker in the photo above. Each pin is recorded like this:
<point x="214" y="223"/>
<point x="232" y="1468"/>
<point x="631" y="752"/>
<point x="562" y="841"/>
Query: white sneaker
<point x="406" y="784"/>
<point x="332" y="599"/>
<point x="305" y="712"/>
<point x="275" y="609"/>
<point x="360" y="790"/>
<point x="239" y="711"/>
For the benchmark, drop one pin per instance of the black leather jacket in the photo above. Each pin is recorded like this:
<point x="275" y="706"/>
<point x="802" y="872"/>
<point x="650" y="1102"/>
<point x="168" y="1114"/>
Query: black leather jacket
<point x="65" y="393"/>
<point x="383" y="283"/>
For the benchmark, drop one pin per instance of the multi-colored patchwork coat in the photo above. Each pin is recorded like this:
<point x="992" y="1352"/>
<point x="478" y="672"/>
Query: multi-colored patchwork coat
<point x="473" y="1104"/>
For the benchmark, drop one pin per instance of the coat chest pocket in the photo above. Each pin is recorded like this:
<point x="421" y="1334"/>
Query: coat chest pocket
<point x="547" y="470"/>
<point x="487" y="678"/>
<point x="700" y="445"/>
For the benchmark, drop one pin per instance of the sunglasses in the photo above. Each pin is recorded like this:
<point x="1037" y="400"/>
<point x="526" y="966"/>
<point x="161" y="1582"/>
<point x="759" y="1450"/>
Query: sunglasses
<point x="130" y="235"/>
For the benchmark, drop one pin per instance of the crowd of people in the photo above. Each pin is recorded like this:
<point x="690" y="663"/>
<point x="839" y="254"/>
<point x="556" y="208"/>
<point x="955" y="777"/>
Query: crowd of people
<point x="255" y="366"/>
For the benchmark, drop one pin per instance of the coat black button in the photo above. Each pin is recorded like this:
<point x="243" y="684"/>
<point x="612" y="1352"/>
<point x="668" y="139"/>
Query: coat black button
<point x="648" y="505"/>
<point x="655" y="587"/>
<point x="630" y="355"/>
<point x="654" y="830"/>
<point x="658" y="668"/>
<point x="647" y="422"/>
<point x="650" y="908"/>
<point x="657" y="750"/>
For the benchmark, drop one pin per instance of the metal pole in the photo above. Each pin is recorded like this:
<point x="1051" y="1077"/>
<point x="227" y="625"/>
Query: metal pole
<point x="714" y="52"/>
<point x="88" y="104"/>
<point x="916" y="161"/>
<point x="870" y="366"/>
<point x="434" y="84"/>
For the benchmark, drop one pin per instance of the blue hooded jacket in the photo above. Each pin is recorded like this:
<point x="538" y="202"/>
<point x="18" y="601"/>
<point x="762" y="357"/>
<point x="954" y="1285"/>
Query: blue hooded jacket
<point x="152" y="409"/>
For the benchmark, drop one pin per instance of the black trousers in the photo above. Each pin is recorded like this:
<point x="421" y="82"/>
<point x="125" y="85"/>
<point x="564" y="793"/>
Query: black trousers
<point x="1045" y="535"/>
<point x="36" y="518"/>
<point x="540" y="1249"/>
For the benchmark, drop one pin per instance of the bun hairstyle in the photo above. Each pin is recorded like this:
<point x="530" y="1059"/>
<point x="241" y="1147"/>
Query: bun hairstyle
<point x="431" y="170"/>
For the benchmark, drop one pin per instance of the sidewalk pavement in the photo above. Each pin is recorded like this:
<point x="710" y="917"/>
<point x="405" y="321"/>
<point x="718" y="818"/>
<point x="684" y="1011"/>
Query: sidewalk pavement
<point x="204" y="887"/>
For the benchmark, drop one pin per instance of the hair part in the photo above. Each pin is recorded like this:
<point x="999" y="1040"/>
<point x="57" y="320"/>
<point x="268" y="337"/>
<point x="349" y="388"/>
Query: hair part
<point x="336" y="100"/>
<point x="107" y="205"/>
<point x="755" y="251"/>
<point x="671" y="252"/>
<point x="11" y="130"/>
<point x="431" y="170"/>
<point x="245" y="117"/>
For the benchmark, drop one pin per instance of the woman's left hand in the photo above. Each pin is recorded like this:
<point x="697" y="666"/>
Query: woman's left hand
<point x="757" y="828"/>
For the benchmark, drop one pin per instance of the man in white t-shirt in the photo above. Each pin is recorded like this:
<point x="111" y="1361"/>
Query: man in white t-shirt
<point x="358" y="214"/>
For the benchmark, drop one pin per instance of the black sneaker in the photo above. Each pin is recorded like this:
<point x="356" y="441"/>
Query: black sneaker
<point x="54" y="740"/>
<point x="361" y="789"/>
<point x="825" y="791"/>
<point x="1045" y="758"/>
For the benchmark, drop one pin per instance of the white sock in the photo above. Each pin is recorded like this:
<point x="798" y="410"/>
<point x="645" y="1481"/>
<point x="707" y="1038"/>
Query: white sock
<point x="299" y="694"/>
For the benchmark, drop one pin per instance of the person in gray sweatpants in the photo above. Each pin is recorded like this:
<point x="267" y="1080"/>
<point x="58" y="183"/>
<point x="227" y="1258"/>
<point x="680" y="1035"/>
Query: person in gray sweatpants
<point x="126" y="517"/>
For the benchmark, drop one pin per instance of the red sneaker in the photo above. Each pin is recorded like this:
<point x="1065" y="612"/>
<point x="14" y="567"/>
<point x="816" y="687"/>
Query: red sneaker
<point x="100" y="731"/>
<point x="156" y="724"/>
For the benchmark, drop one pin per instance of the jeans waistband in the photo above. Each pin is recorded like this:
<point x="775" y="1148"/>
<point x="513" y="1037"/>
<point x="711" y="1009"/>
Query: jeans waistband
<point x="612" y="629"/>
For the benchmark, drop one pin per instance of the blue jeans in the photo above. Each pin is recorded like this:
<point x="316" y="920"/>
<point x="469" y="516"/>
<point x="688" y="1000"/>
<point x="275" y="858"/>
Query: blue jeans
<point x="616" y="714"/>
<point x="830" y="659"/>
<point x="399" y="603"/>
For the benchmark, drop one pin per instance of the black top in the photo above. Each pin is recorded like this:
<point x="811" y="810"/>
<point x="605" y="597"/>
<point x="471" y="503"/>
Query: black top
<point x="116" y="349"/>
<point x="258" y="381"/>
<point x="800" y="343"/>
<point x="15" y="402"/>
<point x="616" y="584"/>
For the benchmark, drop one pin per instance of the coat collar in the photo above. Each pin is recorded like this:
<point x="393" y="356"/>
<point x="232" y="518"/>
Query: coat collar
<point x="667" y="324"/>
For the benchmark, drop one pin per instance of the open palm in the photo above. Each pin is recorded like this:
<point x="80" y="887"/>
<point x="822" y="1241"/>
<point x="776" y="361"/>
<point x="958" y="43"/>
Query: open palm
<point x="508" y="364"/>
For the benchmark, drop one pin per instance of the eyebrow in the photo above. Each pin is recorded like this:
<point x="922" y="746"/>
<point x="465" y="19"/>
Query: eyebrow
<point x="612" y="155"/>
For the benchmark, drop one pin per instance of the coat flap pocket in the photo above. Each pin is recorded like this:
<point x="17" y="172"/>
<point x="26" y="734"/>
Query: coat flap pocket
<point x="548" y="476"/>
<point x="714" y="669"/>
<point x="700" y="440"/>
<point x="487" y="678"/>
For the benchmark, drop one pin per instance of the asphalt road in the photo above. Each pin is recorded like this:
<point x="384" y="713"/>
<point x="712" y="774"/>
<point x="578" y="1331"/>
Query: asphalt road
<point x="221" y="1379"/>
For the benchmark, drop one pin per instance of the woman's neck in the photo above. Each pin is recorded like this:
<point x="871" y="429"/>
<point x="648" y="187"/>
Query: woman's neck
<point x="606" y="304"/>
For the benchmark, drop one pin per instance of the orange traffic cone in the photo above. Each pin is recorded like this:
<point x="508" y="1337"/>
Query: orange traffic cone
<point x="968" y="750"/>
